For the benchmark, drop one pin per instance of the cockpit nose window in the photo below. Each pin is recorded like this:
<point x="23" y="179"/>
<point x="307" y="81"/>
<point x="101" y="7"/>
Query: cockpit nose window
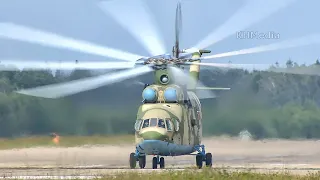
<point x="153" y="122"/>
<point x="145" y="123"/>
<point x="161" y="123"/>
<point x="169" y="127"/>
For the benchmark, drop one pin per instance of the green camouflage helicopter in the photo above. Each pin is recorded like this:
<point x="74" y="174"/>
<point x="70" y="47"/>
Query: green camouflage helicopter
<point x="169" y="121"/>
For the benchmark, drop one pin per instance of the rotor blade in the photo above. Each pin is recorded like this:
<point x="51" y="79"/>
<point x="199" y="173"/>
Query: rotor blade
<point x="252" y="12"/>
<point x="212" y="88"/>
<point x="76" y="86"/>
<point x="32" y="35"/>
<point x="184" y="78"/>
<point x="303" y="70"/>
<point x="233" y="66"/>
<point x="178" y="28"/>
<point x="137" y="20"/>
<point x="14" y="65"/>
<point x="301" y="41"/>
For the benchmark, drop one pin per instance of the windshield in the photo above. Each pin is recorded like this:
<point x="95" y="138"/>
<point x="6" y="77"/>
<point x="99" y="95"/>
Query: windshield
<point x="169" y="127"/>
<point x="155" y="122"/>
<point x="137" y="125"/>
<point x="145" y="123"/>
<point x="161" y="123"/>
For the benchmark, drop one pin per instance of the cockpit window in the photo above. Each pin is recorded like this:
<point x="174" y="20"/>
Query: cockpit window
<point x="169" y="127"/>
<point x="145" y="123"/>
<point x="161" y="123"/>
<point x="153" y="122"/>
<point x="137" y="125"/>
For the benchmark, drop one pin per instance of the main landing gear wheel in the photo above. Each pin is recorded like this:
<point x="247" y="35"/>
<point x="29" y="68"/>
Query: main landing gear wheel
<point x="142" y="162"/>
<point x="207" y="159"/>
<point x="199" y="160"/>
<point x="132" y="160"/>
<point x="202" y="156"/>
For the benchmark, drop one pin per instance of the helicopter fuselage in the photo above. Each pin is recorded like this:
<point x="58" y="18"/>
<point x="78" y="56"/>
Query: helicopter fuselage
<point x="168" y="128"/>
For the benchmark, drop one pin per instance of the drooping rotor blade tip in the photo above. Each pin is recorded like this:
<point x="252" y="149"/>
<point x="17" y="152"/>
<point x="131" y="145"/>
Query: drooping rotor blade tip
<point x="36" y="36"/>
<point x="16" y="65"/>
<point x="77" y="86"/>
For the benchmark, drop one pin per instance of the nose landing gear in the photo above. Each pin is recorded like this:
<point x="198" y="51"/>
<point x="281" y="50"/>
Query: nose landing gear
<point x="156" y="160"/>
<point x="142" y="161"/>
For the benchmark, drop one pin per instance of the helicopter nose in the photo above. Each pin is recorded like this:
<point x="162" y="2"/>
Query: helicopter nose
<point x="154" y="133"/>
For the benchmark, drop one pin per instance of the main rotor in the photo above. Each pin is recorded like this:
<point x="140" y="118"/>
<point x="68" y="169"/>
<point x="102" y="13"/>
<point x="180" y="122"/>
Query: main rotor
<point x="179" y="57"/>
<point x="162" y="61"/>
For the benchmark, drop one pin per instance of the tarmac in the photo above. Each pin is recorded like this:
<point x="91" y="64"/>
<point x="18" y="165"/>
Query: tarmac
<point x="296" y="156"/>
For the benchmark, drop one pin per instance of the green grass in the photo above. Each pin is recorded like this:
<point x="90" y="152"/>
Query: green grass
<point x="209" y="174"/>
<point x="65" y="141"/>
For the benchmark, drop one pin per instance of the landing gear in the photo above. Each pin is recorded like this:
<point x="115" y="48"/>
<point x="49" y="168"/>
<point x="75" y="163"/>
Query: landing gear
<point x="134" y="157"/>
<point x="162" y="163"/>
<point x="154" y="163"/>
<point x="202" y="156"/>
<point x="141" y="158"/>
<point x="142" y="162"/>
<point x="156" y="160"/>
<point x="132" y="160"/>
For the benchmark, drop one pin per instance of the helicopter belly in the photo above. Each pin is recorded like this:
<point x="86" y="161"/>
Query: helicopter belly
<point x="162" y="148"/>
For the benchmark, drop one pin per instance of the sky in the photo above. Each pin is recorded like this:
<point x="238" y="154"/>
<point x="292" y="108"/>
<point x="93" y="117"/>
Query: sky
<point x="85" y="20"/>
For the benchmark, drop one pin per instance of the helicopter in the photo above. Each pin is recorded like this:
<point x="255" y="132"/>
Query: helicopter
<point x="169" y="120"/>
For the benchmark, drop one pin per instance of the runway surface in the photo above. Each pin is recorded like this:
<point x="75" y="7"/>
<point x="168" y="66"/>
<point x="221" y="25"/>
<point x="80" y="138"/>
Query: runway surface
<point x="298" y="157"/>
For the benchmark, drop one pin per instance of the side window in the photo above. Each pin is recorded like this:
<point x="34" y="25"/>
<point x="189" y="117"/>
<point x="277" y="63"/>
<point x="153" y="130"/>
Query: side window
<point x="137" y="125"/>
<point x="161" y="123"/>
<point x="145" y="123"/>
<point x="176" y="123"/>
<point x="169" y="125"/>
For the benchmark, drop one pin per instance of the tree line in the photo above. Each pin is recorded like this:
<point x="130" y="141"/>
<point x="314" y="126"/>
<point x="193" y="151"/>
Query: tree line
<point x="267" y="104"/>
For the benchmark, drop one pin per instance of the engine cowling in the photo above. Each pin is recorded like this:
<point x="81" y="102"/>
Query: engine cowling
<point x="149" y="95"/>
<point x="170" y="95"/>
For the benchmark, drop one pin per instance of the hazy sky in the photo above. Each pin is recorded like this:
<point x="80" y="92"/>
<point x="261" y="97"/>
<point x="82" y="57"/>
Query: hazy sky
<point x="84" y="20"/>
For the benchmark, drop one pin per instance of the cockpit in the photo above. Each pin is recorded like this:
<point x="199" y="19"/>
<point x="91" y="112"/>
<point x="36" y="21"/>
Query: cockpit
<point x="154" y="122"/>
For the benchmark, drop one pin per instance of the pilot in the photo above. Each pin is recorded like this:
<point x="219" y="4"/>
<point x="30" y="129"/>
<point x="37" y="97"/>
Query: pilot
<point x="161" y="123"/>
<point x="145" y="124"/>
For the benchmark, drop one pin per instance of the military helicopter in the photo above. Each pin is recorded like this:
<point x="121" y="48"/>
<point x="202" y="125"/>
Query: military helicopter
<point x="169" y="121"/>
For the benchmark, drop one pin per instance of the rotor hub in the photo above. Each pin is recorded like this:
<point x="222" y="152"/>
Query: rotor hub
<point x="165" y="61"/>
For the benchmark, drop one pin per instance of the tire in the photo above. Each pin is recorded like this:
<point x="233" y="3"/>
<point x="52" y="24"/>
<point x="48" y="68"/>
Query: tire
<point x="132" y="161"/>
<point x="142" y="162"/>
<point x="199" y="161"/>
<point x="209" y="160"/>
<point x="154" y="163"/>
<point x="162" y="164"/>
